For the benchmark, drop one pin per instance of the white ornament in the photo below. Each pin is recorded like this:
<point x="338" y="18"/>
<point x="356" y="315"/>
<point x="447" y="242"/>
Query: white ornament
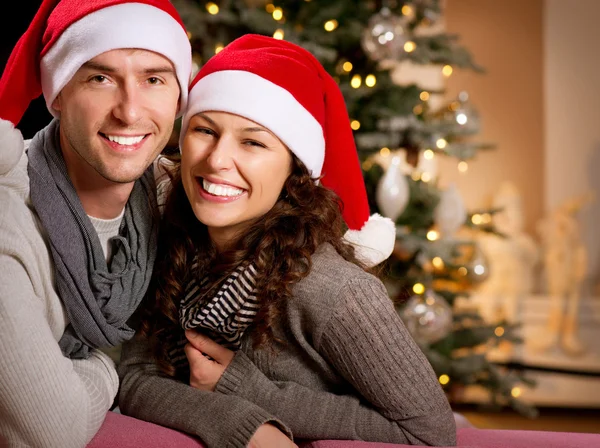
<point x="450" y="214"/>
<point x="392" y="190"/>
<point x="428" y="317"/>
<point x="385" y="36"/>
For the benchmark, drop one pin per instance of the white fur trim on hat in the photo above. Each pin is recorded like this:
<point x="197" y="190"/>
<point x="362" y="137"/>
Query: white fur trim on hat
<point x="11" y="146"/>
<point x="112" y="28"/>
<point x="373" y="243"/>
<point x="255" y="98"/>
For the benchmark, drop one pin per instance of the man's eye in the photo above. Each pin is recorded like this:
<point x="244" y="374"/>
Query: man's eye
<point x="98" y="78"/>
<point x="154" y="80"/>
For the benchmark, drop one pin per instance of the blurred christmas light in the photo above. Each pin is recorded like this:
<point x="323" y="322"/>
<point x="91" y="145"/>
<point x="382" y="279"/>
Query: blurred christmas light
<point x="356" y="81"/>
<point x="486" y="218"/>
<point x="463" y="271"/>
<point x="476" y="219"/>
<point x="438" y="263"/>
<point x="418" y="288"/>
<point x="212" y="8"/>
<point x="499" y="331"/>
<point x="461" y="118"/>
<point x="270" y="7"/>
<point x="407" y="10"/>
<point x="447" y="70"/>
<point x="454" y="105"/>
<point x="347" y="66"/>
<point x="433" y="235"/>
<point x="384" y="152"/>
<point x="331" y="25"/>
<point x="444" y="379"/>
<point x="424" y="95"/>
<point x="425" y="177"/>
<point x="277" y="13"/>
<point x="516" y="391"/>
<point x="218" y="48"/>
<point x="278" y="34"/>
<point x="370" y="80"/>
<point x="428" y="154"/>
<point x="463" y="166"/>
<point x="355" y="125"/>
<point x="418" y="109"/>
<point x="441" y="143"/>
<point x="410" y="46"/>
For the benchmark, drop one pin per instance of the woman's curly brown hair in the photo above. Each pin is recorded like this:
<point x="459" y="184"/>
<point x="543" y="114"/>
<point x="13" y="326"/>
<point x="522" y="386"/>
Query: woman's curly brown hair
<point x="280" y="243"/>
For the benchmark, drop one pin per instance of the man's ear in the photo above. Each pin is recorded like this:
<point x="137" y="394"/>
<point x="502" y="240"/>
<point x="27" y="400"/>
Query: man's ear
<point x="56" y="103"/>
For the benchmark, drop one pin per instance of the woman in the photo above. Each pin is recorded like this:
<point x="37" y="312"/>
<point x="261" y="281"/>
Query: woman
<point x="259" y="295"/>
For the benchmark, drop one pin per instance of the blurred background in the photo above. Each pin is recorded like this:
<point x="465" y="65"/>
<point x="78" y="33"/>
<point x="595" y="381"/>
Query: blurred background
<point x="476" y="128"/>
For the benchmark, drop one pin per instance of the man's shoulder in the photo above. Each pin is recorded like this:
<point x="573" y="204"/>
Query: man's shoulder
<point x="164" y="169"/>
<point x="20" y="228"/>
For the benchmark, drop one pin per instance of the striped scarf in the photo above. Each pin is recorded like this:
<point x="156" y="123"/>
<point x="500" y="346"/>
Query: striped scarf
<point x="225" y="316"/>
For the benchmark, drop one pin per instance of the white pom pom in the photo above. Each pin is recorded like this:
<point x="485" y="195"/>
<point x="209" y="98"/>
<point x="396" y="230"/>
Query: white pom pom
<point x="11" y="146"/>
<point x="373" y="243"/>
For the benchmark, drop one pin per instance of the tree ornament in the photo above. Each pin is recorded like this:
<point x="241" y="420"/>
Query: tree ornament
<point x="427" y="317"/>
<point x="478" y="266"/>
<point x="450" y="214"/>
<point x="385" y="36"/>
<point x="393" y="193"/>
<point x="464" y="114"/>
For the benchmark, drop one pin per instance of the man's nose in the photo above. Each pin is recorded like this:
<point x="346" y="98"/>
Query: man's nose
<point x="129" y="104"/>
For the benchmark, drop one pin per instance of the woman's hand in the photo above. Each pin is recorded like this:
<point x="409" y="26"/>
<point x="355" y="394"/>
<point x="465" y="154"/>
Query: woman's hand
<point x="269" y="436"/>
<point x="204" y="372"/>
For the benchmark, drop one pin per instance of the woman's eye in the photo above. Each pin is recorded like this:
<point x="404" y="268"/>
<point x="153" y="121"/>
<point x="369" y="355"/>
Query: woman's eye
<point x="205" y="131"/>
<point x="254" y="143"/>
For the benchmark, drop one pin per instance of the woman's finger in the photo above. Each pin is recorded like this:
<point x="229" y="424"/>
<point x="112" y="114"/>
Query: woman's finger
<point x="209" y="347"/>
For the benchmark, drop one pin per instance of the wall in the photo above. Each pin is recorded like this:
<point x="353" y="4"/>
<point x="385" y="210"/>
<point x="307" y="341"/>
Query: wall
<point x="572" y="116"/>
<point x="506" y="38"/>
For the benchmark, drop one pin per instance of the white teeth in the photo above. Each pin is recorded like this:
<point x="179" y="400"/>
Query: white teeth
<point x="125" y="140"/>
<point x="220" y="190"/>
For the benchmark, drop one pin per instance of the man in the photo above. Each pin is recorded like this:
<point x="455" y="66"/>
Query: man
<point x="78" y="227"/>
<point x="69" y="280"/>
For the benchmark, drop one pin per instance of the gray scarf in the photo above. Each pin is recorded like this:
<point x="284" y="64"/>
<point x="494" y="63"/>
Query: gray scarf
<point x="99" y="299"/>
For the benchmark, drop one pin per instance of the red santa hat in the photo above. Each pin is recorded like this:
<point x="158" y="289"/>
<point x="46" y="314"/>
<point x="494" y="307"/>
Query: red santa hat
<point x="283" y="87"/>
<point x="65" y="34"/>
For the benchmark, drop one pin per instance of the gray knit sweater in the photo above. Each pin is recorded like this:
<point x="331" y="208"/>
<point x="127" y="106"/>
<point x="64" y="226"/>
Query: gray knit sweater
<point x="349" y="369"/>
<point x="46" y="400"/>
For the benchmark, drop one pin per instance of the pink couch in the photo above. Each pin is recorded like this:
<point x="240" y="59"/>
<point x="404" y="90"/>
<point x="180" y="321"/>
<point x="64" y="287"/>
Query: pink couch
<point x="120" y="431"/>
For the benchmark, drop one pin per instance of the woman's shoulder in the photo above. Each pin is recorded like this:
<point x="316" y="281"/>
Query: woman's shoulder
<point x="327" y="260"/>
<point x="330" y="275"/>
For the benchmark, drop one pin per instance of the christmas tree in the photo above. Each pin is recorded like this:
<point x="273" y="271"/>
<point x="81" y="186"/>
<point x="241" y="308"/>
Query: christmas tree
<point x="400" y="128"/>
